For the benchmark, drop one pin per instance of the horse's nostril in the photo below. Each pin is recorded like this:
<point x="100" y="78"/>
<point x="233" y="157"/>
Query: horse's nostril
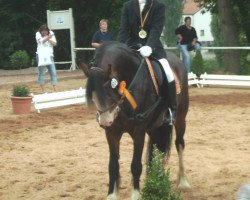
<point x="104" y="127"/>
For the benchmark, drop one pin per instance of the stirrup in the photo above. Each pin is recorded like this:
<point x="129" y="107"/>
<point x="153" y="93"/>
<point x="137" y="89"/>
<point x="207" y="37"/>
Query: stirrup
<point x="171" y="120"/>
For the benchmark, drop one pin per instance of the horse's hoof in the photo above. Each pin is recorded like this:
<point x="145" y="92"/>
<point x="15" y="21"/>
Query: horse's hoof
<point x="184" y="185"/>
<point x="112" y="197"/>
<point x="135" y="195"/>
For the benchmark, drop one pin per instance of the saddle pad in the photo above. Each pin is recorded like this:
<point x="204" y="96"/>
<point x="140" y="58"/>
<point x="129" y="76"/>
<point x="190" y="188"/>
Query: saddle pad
<point x="158" y="69"/>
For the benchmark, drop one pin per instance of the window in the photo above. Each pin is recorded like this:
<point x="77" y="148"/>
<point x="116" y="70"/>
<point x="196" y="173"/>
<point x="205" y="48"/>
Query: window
<point x="202" y="33"/>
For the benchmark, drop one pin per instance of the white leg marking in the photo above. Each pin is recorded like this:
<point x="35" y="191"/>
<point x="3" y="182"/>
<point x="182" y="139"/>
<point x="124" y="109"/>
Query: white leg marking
<point x="183" y="185"/>
<point x="112" y="197"/>
<point x="135" y="195"/>
<point x="183" y="181"/>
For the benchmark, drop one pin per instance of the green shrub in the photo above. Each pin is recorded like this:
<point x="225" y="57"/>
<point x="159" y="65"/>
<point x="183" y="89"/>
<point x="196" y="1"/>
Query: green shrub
<point x="212" y="66"/>
<point x="19" y="60"/>
<point x="157" y="185"/>
<point x="245" y="63"/>
<point x="197" y="64"/>
<point x="20" y="91"/>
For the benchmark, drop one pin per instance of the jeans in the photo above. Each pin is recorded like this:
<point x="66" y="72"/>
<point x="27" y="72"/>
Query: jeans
<point x="185" y="54"/>
<point x="52" y="72"/>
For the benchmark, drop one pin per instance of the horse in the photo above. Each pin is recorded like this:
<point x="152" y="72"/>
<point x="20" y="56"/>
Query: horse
<point x="120" y="86"/>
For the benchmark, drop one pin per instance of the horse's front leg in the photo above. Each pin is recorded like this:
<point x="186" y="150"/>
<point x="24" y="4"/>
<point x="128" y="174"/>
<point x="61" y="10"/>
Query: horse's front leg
<point x="113" y="139"/>
<point x="180" y="127"/>
<point x="136" y="165"/>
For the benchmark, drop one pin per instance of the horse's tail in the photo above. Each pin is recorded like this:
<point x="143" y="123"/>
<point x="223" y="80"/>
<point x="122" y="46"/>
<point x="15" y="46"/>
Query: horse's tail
<point x="162" y="139"/>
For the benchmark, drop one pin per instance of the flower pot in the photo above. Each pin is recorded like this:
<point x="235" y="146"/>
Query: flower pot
<point x="21" y="105"/>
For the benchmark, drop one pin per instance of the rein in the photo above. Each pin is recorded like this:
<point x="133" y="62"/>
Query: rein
<point x="145" y="114"/>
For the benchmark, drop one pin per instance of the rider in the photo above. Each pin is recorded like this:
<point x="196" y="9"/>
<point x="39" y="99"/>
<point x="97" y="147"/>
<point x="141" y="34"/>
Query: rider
<point x="142" y="22"/>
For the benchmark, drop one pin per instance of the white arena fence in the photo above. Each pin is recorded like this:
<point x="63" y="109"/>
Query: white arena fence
<point x="57" y="99"/>
<point x="218" y="80"/>
<point x="205" y="79"/>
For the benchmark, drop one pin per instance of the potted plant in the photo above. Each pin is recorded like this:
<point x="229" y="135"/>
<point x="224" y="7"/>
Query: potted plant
<point x="21" y="99"/>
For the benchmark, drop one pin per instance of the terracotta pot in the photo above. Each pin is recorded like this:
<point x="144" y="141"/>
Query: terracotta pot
<point x="21" y="105"/>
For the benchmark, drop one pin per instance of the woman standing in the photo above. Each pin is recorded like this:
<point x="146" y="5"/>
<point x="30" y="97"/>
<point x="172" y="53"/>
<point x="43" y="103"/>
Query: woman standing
<point x="46" y="41"/>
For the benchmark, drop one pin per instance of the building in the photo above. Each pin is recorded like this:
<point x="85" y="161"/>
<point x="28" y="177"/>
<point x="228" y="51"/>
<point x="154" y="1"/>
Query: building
<point x="200" y="21"/>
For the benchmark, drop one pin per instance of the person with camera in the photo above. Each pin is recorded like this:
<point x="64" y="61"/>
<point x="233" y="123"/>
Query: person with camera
<point x="46" y="41"/>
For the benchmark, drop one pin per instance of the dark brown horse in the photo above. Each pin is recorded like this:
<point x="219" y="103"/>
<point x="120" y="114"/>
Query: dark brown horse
<point x="120" y="85"/>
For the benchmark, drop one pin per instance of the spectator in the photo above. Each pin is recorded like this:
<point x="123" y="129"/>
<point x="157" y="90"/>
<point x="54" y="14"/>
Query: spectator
<point x="142" y="23"/>
<point x="46" y="40"/>
<point x="187" y="40"/>
<point x="102" y="34"/>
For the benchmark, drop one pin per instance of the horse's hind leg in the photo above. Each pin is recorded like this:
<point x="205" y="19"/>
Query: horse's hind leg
<point x="180" y="127"/>
<point x="162" y="139"/>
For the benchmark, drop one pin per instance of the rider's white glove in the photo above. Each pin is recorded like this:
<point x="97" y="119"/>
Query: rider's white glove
<point x="145" y="51"/>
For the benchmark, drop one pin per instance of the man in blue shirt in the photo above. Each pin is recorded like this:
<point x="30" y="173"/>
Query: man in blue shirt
<point x="102" y="34"/>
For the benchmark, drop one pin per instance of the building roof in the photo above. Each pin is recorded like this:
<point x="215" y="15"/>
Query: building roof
<point x="190" y="7"/>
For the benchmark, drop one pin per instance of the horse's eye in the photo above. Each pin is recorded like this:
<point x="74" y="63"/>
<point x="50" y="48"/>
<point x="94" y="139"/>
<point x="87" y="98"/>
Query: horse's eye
<point x="114" y="83"/>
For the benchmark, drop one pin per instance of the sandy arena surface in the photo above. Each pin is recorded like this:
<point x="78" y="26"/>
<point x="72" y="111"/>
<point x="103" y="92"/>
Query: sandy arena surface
<point x="61" y="153"/>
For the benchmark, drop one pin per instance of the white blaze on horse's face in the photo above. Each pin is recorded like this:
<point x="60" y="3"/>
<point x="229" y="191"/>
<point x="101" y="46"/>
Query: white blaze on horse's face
<point x="105" y="119"/>
<point x="95" y="100"/>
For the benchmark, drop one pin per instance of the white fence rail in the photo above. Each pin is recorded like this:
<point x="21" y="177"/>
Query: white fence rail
<point x="219" y="80"/>
<point x="57" y="99"/>
<point x="78" y="96"/>
<point x="169" y="48"/>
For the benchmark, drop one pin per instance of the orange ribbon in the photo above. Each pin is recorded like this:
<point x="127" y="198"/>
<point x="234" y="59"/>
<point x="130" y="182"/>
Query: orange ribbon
<point x="123" y="91"/>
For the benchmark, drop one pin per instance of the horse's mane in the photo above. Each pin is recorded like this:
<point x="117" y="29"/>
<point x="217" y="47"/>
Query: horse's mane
<point x="115" y="56"/>
<point x="115" y="48"/>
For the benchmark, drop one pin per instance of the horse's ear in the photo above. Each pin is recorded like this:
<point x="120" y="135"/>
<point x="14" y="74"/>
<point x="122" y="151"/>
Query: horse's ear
<point x="84" y="68"/>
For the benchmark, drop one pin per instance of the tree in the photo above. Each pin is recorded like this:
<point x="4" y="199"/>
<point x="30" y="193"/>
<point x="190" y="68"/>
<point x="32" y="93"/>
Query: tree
<point x="18" y="24"/>
<point x="228" y="23"/>
<point x="241" y="13"/>
<point x="21" y="19"/>
<point x="173" y="16"/>
<point x="230" y="35"/>
<point x="217" y="35"/>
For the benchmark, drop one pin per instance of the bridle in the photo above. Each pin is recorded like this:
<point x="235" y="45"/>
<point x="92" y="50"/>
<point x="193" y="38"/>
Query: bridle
<point x="116" y="85"/>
